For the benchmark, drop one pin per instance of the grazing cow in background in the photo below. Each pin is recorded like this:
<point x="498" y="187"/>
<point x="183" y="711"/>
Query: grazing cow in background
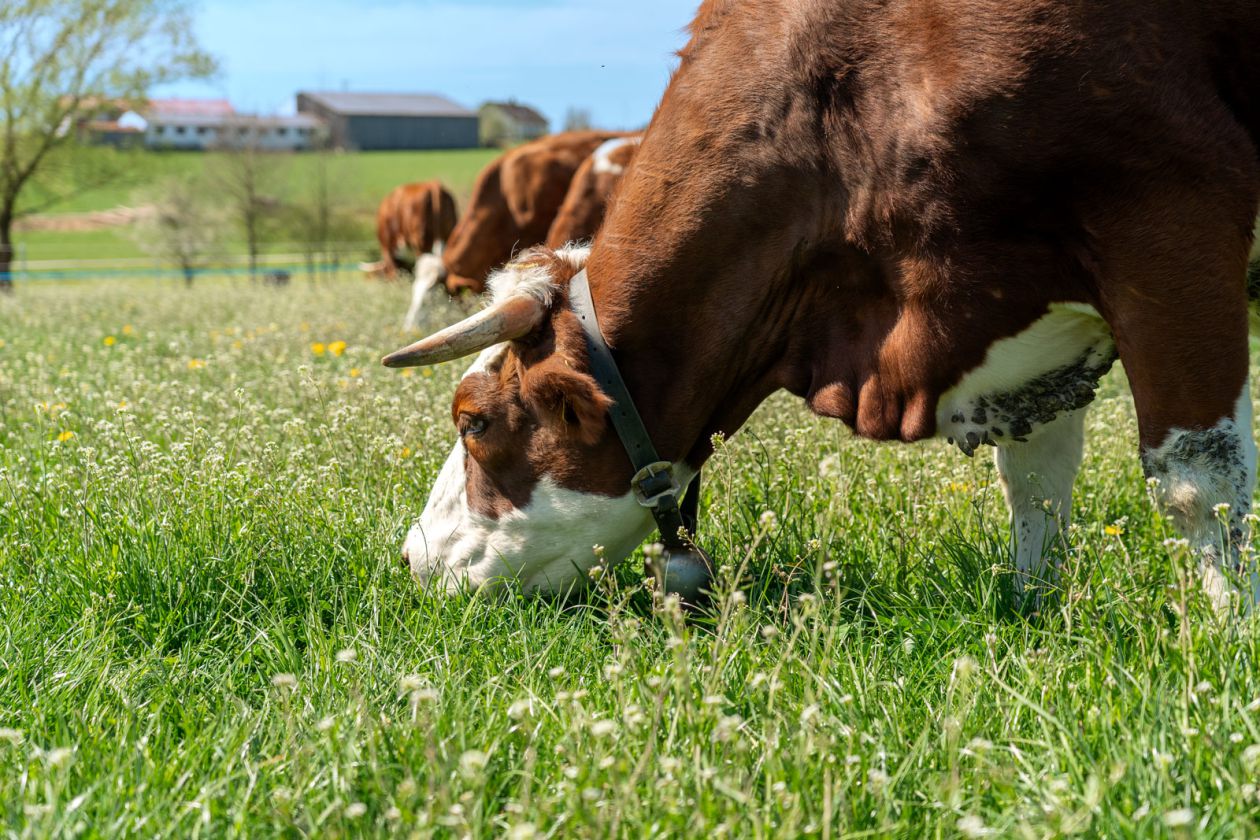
<point x="926" y="220"/>
<point x="587" y="201"/>
<point x="513" y="204"/>
<point x="416" y="218"/>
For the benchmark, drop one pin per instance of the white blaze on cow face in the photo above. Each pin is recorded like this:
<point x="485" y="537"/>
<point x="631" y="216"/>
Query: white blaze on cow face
<point x="547" y="546"/>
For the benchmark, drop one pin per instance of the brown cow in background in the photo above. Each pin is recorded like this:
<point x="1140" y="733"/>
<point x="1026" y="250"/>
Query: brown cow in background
<point x="415" y="217"/>
<point x="514" y="202"/>
<point x="583" y="210"/>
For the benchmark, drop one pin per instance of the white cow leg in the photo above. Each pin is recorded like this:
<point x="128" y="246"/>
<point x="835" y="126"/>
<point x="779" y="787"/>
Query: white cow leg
<point x="1037" y="477"/>
<point x="429" y="273"/>
<point x="1197" y="472"/>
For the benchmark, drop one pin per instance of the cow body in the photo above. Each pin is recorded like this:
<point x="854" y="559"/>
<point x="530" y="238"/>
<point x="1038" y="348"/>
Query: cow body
<point x="514" y="203"/>
<point x="416" y="218"/>
<point x="934" y="219"/>
<point x="586" y="203"/>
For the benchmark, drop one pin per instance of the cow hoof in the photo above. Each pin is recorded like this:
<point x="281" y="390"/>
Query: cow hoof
<point x="687" y="574"/>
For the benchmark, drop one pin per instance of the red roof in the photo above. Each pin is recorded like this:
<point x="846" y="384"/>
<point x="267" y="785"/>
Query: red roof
<point x="191" y="107"/>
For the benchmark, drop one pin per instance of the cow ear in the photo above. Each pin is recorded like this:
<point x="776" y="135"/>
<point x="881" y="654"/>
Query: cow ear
<point x="567" y="398"/>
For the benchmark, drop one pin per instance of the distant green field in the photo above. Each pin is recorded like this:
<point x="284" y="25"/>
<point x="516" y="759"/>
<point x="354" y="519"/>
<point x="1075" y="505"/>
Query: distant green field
<point x="362" y="178"/>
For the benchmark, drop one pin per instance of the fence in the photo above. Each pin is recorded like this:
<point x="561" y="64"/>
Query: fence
<point x="294" y="257"/>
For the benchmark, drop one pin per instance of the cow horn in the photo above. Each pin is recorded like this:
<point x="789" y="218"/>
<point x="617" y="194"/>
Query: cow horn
<point x="509" y="319"/>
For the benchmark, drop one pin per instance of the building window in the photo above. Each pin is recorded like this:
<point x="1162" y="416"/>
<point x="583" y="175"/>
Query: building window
<point x="201" y="129"/>
<point x="282" y="131"/>
<point x="179" y="129"/>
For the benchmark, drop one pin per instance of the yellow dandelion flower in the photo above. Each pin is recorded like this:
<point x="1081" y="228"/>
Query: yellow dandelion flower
<point x="318" y="348"/>
<point x="2" y="343"/>
<point x="426" y="372"/>
<point x="110" y="340"/>
<point x="128" y="329"/>
<point x="406" y="452"/>
<point x="408" y="373"/>
<point x="337" y="348"/>
<point x="355" y="372"/>
<point x="959" y="487"/>
<point x="65" y="436"/>
<point x="122" y="405"/>
<point x="238" y="344"/>
<point x="1113" y="530"/>
<point x="196" y="364"/>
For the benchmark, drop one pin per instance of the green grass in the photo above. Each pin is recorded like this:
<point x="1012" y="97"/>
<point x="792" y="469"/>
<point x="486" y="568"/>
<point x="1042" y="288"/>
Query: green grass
<point x="204" y="630"/>
<point x="361" y="178"/>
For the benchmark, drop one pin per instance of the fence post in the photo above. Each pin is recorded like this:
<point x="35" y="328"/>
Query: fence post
<point x="6" y="267"/>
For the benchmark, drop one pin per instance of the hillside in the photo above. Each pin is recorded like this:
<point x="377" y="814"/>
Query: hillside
<point x="359" y="178"/>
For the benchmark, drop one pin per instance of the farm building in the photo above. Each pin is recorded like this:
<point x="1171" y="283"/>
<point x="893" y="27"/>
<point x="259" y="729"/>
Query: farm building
<point x="370" y="121"/>
<point x="509" y="123"/>
<point x="201" y="124"/>
<point x="200" y="133"/>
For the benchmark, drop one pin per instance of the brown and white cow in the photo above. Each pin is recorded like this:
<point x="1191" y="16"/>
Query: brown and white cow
<point x="586" y="203"/>
<point x="926" y="219"/>
<point x="415" y="217"/>
<point x="514" y="202"/>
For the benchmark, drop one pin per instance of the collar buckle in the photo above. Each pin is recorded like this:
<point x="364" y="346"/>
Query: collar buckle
<point x="654" y="483"/>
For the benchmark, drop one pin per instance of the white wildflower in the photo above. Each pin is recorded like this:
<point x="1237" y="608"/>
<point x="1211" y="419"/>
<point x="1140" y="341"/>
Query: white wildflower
<point x="603" y="728"/>
<point x="972" y="826"/>
<point x="472" y="763"/>
<point x="1179" y="818"/>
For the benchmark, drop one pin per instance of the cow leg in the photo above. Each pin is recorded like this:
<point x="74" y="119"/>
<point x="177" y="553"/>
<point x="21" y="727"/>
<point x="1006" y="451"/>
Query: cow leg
<point x="1203" y="479"/>
<point x="429" y="273"/>
<point x="1180" y="323"/>
<point x="1037" y="477"/>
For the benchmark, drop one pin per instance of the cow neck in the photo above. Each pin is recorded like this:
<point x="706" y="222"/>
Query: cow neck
<point x="692" y="272"/>
<point x="654" y="483"/>
<point x="694" y="365"/>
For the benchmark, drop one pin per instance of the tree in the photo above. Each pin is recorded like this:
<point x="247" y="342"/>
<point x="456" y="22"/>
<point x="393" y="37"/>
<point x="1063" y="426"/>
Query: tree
<point x="181" y="227"/>
<point x="247" y="173"/>
<point x="318" y="217"/>
<point x="59" y="60"/>
<point x="577" y="119"/>
<point x="494" y="129"/>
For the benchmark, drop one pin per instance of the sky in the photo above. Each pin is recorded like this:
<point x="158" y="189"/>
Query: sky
<point x="611" y="57"/>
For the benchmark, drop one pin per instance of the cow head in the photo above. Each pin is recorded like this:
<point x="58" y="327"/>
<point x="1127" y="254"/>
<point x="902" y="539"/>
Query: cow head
<point x="537" y="477"/>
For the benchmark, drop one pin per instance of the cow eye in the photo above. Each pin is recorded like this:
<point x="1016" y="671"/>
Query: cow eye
<point x="471" y="424"/>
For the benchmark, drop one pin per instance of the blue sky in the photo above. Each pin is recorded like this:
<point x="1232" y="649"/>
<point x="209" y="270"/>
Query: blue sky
<point x="610" y="56"/>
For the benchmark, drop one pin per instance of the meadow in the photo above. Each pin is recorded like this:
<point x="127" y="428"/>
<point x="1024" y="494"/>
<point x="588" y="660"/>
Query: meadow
<point x="360" y="180"/>
<point x="205" y="629"/>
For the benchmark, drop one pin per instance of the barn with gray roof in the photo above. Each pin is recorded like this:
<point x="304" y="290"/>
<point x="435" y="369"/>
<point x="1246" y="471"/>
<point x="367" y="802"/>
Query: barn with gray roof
<point x="379" y="121"/>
